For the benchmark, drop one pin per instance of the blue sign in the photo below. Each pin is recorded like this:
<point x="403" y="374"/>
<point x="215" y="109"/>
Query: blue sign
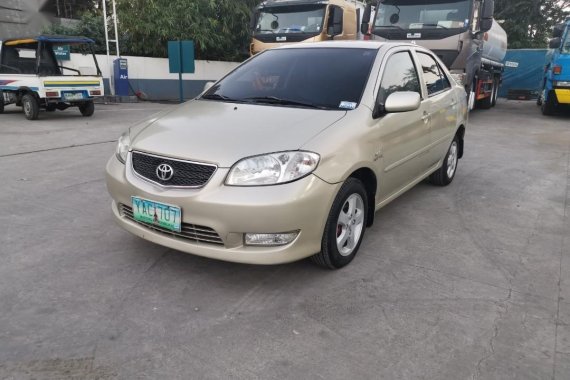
<point x="181" y="57"/>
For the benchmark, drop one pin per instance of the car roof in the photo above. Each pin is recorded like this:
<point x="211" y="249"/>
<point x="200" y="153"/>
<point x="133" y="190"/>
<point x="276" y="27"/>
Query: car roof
<point x="346" y="45"/>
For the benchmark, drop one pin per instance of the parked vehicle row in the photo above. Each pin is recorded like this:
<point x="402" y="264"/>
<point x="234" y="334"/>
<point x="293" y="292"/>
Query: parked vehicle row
<point x="462" y="33"/>
<point x="291" y="154"/>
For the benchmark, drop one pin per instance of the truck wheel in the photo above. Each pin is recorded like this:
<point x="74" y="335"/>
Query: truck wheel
<point x="495" y="93"/>
<point x="548" y="106"/>
<point x="31" y="106"/>
<point x="444" y="175"/>
<point x="487" y="102"/>
<point x="87" y="109"/>
<point x="1" y="102"/>
<point x="345" y="226"/>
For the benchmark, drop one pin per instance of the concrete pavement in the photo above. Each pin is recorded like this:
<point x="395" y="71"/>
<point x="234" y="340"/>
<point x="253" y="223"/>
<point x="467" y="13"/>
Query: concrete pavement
<point x="471" y="281"/>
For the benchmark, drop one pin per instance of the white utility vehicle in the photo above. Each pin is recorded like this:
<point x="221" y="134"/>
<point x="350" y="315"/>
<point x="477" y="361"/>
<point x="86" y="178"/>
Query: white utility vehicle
<point x="33" y="78"/>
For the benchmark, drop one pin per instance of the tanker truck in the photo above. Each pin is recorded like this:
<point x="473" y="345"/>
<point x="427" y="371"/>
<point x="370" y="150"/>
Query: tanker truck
<point x="462" y="33"/>
<point x="280" y="22"/>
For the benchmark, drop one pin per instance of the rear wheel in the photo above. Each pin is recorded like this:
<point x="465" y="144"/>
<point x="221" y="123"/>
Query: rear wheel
<point x="87" y="109"/>
<point x="345" y="226"/>
<point x="31" y="106"/>
<point x="444" y="175"/>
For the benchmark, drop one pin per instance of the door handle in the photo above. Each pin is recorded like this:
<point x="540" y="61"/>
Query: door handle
<point x="426" y="117"/>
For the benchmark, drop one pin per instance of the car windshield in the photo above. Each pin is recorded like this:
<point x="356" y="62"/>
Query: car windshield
<point x="328" y="78"/>
<point x="291" y="19"/>
<point x="416" y="14"/>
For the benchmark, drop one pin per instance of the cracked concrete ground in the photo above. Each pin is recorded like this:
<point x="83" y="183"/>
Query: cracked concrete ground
<point x="471" y="281"/>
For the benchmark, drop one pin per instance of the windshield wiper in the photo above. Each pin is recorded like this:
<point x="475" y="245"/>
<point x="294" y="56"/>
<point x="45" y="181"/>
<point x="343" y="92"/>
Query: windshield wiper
<point x="280" y="101"/>
<point x="218" y="97"/>
<point x="436" y="25"/>
<point x="389" y="26"/>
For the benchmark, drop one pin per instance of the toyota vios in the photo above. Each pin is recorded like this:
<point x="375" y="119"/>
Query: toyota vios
<point x="291" y="154"/>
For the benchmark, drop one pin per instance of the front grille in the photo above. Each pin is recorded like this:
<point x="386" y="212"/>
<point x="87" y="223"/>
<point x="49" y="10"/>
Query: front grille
<point x="186" y="173"/>
<point x="191" y="232"/>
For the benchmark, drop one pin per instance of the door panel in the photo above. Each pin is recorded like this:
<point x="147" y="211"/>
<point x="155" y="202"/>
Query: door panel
<point x="442" y="107"/>
<point x="403" y="138"/>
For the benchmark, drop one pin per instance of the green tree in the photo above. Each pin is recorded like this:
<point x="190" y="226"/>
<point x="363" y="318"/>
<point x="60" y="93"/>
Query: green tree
<point x="90" y="25"/>
<point x="219" y="28"/>
<point x="529" y="23"/>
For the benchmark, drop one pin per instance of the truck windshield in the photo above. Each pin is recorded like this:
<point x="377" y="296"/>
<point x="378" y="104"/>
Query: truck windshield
<point x="566" y="43"/>
<point x="291" y="19"/>
<point x="323" y="78"/>
<point x="418" y="14"/>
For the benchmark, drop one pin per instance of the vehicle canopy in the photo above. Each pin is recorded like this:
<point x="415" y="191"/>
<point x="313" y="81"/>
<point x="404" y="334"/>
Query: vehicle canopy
<point x="35" y="55"/>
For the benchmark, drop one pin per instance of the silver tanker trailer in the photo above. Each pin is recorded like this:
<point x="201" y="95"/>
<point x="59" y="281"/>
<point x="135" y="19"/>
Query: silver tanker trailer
<point x="462" y="33"/>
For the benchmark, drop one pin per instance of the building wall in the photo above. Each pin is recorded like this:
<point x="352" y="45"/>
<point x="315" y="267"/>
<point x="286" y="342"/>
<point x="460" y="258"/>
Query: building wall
<point x="152" y="77"/>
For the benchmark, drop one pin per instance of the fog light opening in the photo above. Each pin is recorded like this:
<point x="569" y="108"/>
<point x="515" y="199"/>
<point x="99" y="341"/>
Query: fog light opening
<point x="270" y="240"/>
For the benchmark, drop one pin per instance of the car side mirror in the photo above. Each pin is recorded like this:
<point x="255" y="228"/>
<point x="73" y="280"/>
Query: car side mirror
<point x="402" y="101"/>
<point x="555" y="43"/>
<point x="366" y="19"/>
<point x="208" y="85"/>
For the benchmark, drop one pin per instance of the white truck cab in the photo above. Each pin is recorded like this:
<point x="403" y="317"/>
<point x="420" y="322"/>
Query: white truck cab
<point x="32" y="77"/>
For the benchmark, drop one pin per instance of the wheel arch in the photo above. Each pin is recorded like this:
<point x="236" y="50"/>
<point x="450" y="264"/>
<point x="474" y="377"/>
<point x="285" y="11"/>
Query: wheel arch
<point x="368" y="178"/>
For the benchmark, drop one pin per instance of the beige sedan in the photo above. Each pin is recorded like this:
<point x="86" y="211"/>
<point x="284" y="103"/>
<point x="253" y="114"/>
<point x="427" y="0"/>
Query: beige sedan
<point x="291" y="154"/>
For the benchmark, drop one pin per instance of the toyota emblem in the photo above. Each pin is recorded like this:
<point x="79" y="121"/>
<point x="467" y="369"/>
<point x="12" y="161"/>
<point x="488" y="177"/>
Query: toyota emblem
<point x="164" y="172"/>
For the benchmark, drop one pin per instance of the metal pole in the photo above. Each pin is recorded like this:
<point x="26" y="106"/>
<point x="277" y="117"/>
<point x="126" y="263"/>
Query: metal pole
<point x="116" y="29"/>
<point x="180" y="73"/>
<point x="110" y="68"/>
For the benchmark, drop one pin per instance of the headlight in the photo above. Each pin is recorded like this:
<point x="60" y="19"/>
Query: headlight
<point x="272" y="169"/>
<point x="123" y="147"/>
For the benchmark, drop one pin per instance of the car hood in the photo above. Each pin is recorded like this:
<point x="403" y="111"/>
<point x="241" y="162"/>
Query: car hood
<point x="223" y="133"/>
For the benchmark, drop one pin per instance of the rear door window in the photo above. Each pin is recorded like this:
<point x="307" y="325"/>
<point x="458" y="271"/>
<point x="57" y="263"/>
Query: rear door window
<point x="434" y="78"/>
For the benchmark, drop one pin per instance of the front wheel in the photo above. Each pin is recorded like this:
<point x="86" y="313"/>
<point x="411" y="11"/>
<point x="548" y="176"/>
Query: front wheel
<point x="444" y="175"/>
<point x="345" y="226"/>
<point x="31" y="106"/>
<point x="87" y="109"/>
<point x="548" y="106"/>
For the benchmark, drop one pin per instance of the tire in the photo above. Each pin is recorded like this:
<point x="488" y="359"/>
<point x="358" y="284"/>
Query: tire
<point x="87" y="109"/>
<point x="495" y="92"/>
<point x="31" y="107"/>
<point x="444" y="175"/>
<point x="51" y="107"/>
<point x="342" y="238"/>
<point x="1" y="102"/>
<point x="548" y="106"/>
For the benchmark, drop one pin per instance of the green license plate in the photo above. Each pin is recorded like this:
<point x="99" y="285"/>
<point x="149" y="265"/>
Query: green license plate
<point x="158" y="214"/>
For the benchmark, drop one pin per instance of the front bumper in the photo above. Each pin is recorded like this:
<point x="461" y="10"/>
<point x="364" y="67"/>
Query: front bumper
<point x="232" y="211"/>
<point x="562" y="95"/>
